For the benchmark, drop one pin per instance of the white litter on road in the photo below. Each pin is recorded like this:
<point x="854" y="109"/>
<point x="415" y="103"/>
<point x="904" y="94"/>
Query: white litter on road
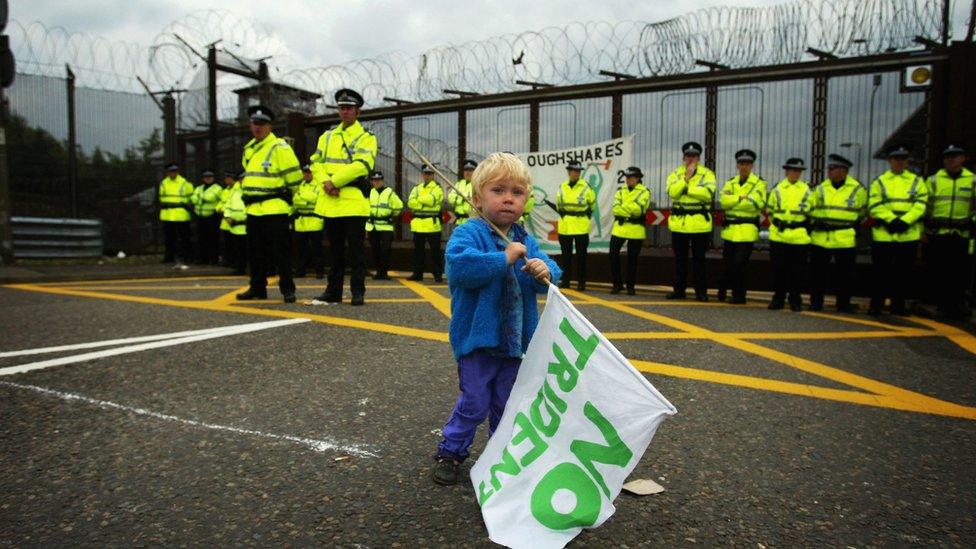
<point x="316" y="445"/>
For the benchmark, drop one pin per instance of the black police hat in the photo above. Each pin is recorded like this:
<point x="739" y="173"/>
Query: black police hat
<point x="633" y="171"/>
<point x="260" y="113"/>
<point x="953" y="149"/>
<point x="898" y="151"/>
<point x="172" y="167"/>
<point x="691" y="147"/>
<point x="575" y="165"/>
<point x="306" y="168"/>
<point x="745" y="155"/>
<point x="426" y="169"/>
<point x="377" y="175"/>
<point x="794" y="164"/>
<point x="470" y="164"/>
<point x="346" y="96"/>
<point x="838" y="161"/>
<point x="207" y="173"/>
<point x="230" y="174"/>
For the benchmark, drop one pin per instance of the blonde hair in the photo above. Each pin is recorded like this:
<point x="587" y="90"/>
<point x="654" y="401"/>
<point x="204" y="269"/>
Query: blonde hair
<point x="499" y="166"/>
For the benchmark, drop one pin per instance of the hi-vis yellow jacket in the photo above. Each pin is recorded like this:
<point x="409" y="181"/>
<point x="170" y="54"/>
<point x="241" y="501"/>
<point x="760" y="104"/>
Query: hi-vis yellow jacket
<point x="344" y="156"/>
<point x="174" y="199"/>
<point x="898" y="196"/>
<point x="462" y="210"/>
<point x="425" y="203"/>
<point x="742" y="202"/>
<point x="691" y="201"/>
<point x="951" y="209"/>
<point x="271" y="175"/>
<point x="234" y="211"/>
<point x="788" y="206"/>
<point x="384" y="205"/>
<point x="303" y="207"/>
<point x="836" y="213"/>
<point x="575" y="203"/>
<point x="629" y="211"/>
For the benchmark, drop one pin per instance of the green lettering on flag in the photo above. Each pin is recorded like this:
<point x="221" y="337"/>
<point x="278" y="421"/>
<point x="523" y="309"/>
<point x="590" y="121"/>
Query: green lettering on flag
<point x="535" y="410"/>
<point x="527" y="431"/>
<point x="508" y="466"/>
<point x="614" y="453"/>
<point x="566" y="477"/>
<point x="566" y="374"/>
<point x="584" y="347"/>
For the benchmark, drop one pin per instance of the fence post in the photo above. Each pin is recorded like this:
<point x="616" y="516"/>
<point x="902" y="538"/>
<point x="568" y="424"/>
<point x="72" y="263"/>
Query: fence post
<point x="212" y="104"/>
<point x="169" y="128"/>
<point x="711" y="125"/>
<point x="398" y="167"/>
<point x="818" y="146"/>
<point x="534" y="126"/>
<point x="462" y="137"/>
<point x="616" y="115"/>
<point x="72" y="144"/>
<point x="296" y="130"/>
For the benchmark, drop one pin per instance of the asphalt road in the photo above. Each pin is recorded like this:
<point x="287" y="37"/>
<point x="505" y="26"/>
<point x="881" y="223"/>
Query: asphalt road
<point x="792" y="429"/>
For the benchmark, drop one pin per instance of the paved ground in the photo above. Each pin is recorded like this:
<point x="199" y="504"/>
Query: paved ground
<point x="792" y="429"/>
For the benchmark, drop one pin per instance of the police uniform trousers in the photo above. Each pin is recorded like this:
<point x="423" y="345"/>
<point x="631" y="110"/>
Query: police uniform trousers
<point x="342" y="232"/>
<point x="235" y="251"/>
<point x="633" y="252"/>
<point x="381" y="243"/>
<point x="310" y="255"/>
<point x="566" y="244"/>
<point x="698" y="242"/>
<point x="269" y="245"/>
<point x="176" y="237"/>
<point x="735" y="261"/>
<point x="892" y="265"/>
<point x="789" y="261"/>
<point x="842" y="277"/>
<point x="433" y="240"/>
<point x="208" y="229"/>
<point x="949" y="271"/>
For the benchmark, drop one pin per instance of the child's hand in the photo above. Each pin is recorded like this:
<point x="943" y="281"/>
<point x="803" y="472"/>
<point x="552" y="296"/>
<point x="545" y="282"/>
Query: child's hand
<point x="537" y="269"/>
<point x="514" y="251"/>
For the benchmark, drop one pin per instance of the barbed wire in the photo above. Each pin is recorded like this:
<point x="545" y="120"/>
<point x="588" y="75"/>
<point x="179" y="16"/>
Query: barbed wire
<point x="573" y="54"/>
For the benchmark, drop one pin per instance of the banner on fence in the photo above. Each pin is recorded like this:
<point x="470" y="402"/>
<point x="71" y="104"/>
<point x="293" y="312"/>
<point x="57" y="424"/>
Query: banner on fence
<point x="604" y="164"/>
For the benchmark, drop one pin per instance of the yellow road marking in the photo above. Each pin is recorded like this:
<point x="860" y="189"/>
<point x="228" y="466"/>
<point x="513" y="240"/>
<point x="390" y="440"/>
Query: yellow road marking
<point x="136" y="280"/>
<point x="904" y="398"/>
<point x="799" y="336"/>
<point x="441" y="303"/>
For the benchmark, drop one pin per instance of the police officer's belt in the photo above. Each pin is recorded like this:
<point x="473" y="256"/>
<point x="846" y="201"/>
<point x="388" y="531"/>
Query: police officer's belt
<point x="375" y="220"/>
<point x="783" y="226"/>
<point x="461" y="216"/>
<point x="585" y="213"/>
<point x="741" y="221"/>
<point x="678" y="210"/>
<point x="948" y="223"/>
<point x="296" y="215"/>
<point x="283" y="194"/>
<point x="187" y="208"/>
<point x="832" y="225"/>
<point x="639" y="219"/>
<point x="427" y="216"/>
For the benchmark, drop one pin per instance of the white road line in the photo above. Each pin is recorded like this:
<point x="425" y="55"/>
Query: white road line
<point x="110" y="342"/>
<point x="226" y="331"/>
<point x="315" y="445"/>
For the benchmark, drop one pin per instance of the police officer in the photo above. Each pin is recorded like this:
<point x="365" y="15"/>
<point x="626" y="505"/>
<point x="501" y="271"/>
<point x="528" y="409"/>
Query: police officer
<point x="788" y="206"/>
<point x="575" y="201"/>
<point x="839" y="206"/>
<point x="897" y="201"/>
<point x="205" y="198"/>
<point x="630" y="205"/>
<point x="742" y="199"/>
<point x="949" y="221"/>
<point x="462" y="190"/>
<point x="692" y="190"/>
<point x="384" y="205"/>
<point x="529" y="206"/>
<point x="343" y="159"/>
<point x="308" y="225"/>
<point x="271" y="175"/>
<point x="233" y="224"/>
<point x="175" y="194"/>
<point x="425" y="203"/>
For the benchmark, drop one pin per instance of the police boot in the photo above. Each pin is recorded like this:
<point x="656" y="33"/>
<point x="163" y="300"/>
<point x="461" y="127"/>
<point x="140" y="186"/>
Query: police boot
<point x="721" y="294"/>
<point x="675" y="295"/>
<point x="358" y="300"/>
<point x="816" y="303"/>
<point x="616" y="289"/>
<point x="251" y="293"/>
<point x="775" y="304"/>
<point x="701" y="296"/>
<point x="416" y="277"/>
<point x="631" y="290"/>
<point x="289" y="297"/>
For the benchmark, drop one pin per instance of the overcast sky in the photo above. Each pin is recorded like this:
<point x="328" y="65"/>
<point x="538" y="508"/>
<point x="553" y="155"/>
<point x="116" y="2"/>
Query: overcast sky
<point x="322" y="33"/>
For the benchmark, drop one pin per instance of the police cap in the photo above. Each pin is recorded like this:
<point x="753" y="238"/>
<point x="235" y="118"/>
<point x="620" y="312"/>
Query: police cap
<point x="838" y="161"/>
<point x="575" y="165"/>
<point x="470" y="164"/>
<point x="261" y="114"/>
<point x="172" y="167"/>
<point x="346" y="96"/>
<point x="377" y="175"/>
<point x="633" y="171"/>
<point x="691" y="148"/>
<point x="898" y="151"/>
<point x="952" y="149"/>
<point x="794" y="164"/>
<point x="426" y="168"/>
<point x="745" y="155"/>
<point x="306" y="168"/>
<point x="207" y="173"/>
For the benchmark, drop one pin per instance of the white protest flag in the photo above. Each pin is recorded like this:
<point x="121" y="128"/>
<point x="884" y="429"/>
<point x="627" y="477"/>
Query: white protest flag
<point x="578" y="420"/>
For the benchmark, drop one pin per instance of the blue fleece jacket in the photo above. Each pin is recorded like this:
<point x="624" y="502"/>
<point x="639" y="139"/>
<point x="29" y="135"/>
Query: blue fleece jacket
<point x="476" y="271"/>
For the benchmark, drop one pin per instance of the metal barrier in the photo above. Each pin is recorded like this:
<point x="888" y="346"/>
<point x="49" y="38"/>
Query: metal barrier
<point x="48" y="237"/>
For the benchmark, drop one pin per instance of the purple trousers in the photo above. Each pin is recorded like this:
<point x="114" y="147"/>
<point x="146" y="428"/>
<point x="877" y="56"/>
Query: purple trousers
<point x="486" y="380"/>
